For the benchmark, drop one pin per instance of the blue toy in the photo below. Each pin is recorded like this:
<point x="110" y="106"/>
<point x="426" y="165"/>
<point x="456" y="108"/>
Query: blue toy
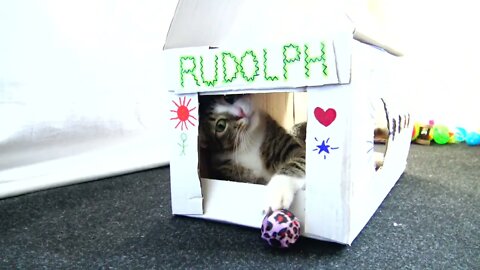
<point x="470" y="138"/>
<point x="473" y="138"/>
<point x="461" y="134"/>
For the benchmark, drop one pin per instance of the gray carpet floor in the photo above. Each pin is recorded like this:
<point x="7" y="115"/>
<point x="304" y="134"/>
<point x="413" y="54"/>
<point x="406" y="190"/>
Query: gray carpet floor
<point x="430" y="220"/>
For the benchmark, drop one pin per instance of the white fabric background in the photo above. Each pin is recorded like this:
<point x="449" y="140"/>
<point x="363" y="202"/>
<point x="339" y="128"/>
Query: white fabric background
<point x="80" y="90"/>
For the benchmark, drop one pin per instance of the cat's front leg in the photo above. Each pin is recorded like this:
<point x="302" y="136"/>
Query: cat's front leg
<point x="281" y="191"/>
<point x="379" y="158"/>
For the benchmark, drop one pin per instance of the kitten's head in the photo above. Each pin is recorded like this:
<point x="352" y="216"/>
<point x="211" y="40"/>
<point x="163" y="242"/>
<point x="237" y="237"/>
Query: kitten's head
<point x="225" y="121"/>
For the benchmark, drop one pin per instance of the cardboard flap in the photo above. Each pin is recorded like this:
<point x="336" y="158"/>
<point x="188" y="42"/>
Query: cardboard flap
<point x="200" y="23"/>
<point x="219" y="23"/>
<point x="361" y="35"/>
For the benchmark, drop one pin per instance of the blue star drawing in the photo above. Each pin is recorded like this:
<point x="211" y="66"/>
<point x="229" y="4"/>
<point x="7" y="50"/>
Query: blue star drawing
<point x="324" y="147"/>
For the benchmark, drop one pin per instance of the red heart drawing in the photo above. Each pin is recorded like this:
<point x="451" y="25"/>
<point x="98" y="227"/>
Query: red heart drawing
<point x="325" y="117"/>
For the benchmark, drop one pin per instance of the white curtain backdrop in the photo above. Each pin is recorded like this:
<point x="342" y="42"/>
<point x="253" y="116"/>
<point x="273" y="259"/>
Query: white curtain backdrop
<point x="81" y="93"/>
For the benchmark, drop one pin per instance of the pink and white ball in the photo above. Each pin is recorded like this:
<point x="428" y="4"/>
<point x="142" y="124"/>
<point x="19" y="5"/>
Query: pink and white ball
<point x="280" y="229"/>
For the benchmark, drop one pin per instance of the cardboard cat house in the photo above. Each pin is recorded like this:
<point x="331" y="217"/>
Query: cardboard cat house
<point x="304" y="61"/>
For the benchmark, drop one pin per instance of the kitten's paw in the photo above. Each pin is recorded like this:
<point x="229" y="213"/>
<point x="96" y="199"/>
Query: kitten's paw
<point x="281" y="191"/>
<point x="379" y="158"/>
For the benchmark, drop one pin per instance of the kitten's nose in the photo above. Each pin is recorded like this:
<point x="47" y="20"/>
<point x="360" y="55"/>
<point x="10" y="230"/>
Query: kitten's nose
<point x="241" y="113"/>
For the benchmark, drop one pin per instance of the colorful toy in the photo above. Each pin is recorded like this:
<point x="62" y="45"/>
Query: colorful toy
<point x="470" y="138"/>
<point x="415" y="131"/>
<point x="280" y="228"/>
<point x="452" y="138"/>
<point x="441" y="134"/>
<point x="461" y="134"/>
<point x="424" y="133"/>
<point x="473" y="138"/>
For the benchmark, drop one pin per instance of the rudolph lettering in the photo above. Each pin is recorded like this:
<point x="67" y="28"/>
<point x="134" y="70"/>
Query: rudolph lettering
<point x="215" y="68"/>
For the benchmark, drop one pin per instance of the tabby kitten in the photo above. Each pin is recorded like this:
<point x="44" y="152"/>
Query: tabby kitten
<point x="241" y="143"/>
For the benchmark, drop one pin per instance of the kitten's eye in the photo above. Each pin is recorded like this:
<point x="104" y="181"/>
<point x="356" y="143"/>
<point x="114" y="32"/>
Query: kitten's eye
<point x="221" y="125"/>
<point x="229" y="98"/>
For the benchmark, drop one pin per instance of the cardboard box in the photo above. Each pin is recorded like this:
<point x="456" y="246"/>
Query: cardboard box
<point x="215" y="47"/>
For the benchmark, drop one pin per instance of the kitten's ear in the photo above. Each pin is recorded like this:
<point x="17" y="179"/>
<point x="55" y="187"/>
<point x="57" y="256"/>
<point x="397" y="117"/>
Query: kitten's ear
<point x="202" y="140"/>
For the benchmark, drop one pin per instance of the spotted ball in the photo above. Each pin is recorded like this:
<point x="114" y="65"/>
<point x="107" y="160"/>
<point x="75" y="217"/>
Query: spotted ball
<point x="280" y="228"/>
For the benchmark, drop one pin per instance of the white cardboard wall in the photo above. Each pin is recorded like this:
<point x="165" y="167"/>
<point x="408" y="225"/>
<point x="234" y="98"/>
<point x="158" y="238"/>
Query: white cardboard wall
<point x="342" y="191"/>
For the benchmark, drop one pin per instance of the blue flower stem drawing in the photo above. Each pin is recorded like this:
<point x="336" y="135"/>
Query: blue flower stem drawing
<point x="369" y="150"/>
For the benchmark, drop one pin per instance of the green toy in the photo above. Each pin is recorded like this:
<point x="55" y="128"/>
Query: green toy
<point x="441" y="134"/>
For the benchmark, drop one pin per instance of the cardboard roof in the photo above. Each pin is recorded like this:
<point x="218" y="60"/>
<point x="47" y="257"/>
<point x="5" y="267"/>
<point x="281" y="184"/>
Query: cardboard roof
<point x="219" y="23"/>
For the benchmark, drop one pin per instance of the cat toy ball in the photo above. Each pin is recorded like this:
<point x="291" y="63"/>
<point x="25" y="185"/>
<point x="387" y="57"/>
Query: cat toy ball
<point x="280" y="228"/>
<point x="441" y="134"/>
<point x="470" y="138"/>
<point x="473" y="138"/>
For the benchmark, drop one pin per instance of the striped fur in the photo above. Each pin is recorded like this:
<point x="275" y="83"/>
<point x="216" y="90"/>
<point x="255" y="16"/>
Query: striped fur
<point x="281" y="152"/>
<point x="257" y="136"/>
